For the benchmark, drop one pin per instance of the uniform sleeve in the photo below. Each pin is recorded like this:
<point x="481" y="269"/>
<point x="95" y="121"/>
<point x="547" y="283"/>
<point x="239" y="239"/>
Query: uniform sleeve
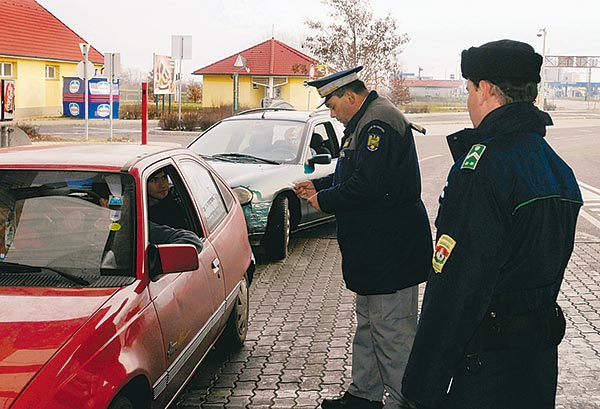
<point x="323" y="183"/>
<point x="378" y="152"/>
<point x="471" y="233"/>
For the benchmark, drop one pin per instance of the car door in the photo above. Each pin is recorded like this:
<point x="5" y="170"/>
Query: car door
<point x="330" y="141"/>
<point x="186" y="302"/>
<point x="227" y="234"/>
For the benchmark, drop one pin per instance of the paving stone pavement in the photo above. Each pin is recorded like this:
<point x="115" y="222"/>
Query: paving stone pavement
<point x="298" y="349"/>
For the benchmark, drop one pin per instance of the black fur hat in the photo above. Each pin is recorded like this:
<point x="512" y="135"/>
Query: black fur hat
<point x="506" y="60"/>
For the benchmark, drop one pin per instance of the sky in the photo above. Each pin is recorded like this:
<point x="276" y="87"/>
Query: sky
<point x="438" y="29"/>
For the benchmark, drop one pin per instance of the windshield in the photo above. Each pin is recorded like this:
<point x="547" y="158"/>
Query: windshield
<point x="273" y="140"/>
<point x="77" y="223"/>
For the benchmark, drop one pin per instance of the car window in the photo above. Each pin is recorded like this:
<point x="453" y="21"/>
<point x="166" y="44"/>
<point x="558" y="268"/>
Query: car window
<point x="274" y="140"/>
<point x="205" y="192"/>
<point x="67" y="222"/>
<point x="167" y="202"/>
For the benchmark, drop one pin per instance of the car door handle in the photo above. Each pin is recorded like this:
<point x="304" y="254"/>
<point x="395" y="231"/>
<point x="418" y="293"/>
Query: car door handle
<point x="216" y="266"/>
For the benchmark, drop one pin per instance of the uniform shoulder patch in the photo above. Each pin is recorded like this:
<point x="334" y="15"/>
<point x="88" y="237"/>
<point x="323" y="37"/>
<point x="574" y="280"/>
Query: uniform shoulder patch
<point x="473" y="157"/>
<point x="374" y="134"/>
<point x="443" y="249"/>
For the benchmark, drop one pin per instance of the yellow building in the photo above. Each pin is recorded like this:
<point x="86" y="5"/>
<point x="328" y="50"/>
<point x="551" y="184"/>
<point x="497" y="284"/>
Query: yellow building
<point x="36" y="51"/>
<point x="260" y="75"/>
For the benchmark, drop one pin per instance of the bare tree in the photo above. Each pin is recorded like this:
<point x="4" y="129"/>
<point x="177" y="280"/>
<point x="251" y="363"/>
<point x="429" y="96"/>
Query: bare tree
<point x="399" y="94"/>
<point x="355" y="38"/>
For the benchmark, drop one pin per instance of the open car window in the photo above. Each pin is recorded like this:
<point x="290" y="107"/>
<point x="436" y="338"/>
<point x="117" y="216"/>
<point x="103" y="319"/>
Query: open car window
<point x="66" y="223"/>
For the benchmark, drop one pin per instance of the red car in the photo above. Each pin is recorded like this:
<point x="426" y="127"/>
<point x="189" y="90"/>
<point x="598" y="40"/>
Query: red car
<point x="97" y="310"/>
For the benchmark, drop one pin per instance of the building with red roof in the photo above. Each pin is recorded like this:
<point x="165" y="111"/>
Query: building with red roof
<point x="429" y="88"/>
<point x="36" y="51"/>
<point x="266" y="72"/>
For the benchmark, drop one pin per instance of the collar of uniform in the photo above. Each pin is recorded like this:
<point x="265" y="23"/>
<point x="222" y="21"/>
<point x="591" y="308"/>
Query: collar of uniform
<point x="351" y="127"/>
<point x="516" y="117"/>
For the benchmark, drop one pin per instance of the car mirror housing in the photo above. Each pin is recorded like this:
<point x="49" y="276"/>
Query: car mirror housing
<point x="172" y="258"/>
<point x="320" y="159"/>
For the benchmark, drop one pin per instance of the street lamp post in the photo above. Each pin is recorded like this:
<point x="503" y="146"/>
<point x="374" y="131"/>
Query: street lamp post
<point x="241" y="63"/>
<point x="542" y="33"/>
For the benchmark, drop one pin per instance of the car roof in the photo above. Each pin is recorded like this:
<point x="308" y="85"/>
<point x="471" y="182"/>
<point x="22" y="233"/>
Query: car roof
<point x="282" y="114"/>
<point x="102" y="155"/>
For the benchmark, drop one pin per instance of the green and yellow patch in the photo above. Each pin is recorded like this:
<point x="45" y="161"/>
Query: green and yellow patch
<point x="473" y="157"/>
<point x="443" y="249"/>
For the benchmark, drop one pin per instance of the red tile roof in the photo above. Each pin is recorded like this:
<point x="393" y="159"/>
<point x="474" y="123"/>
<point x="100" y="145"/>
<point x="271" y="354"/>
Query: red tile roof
<point x="29" y="30"/>
<point x="271" y="57"/>
<point x="432" y="83"/>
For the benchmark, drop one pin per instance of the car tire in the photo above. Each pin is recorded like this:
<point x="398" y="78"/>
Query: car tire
<point x="237" y="323"/>
<point x="277" y="236"/>
<point x="121" y="402"/>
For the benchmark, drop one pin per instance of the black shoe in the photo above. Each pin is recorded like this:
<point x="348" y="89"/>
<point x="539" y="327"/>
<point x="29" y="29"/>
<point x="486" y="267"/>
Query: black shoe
<point x="349" y="401"/>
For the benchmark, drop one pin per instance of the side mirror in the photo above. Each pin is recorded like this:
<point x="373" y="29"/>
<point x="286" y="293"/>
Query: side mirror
<point x="172" y="258"/>
<point x="320" y="159"/>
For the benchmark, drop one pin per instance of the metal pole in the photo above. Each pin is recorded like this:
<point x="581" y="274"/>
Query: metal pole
<point x="86" y="91"/>
<point x="235" y="92"/>
<point x="144" y="113"/>
<point x="110" y="92"/>
<point x="179" y="84"/>
<point x="179" y="87"/>
<point x="543" y="76"/>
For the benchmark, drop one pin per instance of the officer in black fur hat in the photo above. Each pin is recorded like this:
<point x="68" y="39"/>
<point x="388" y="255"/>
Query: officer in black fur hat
<point x="490" y="325"/>
<point x="383" y="232"/>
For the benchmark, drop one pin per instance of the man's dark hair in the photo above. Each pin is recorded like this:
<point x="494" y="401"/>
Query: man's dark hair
<point x="508" y="91"/>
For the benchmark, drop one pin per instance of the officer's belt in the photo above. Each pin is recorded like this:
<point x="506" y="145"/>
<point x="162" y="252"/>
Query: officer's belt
<point x="538" y="329"/>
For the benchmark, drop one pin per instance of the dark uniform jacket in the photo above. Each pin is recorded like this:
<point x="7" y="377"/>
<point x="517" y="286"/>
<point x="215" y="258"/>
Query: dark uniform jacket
<point x="505" y="232"/>
<point x="375" y="193"/>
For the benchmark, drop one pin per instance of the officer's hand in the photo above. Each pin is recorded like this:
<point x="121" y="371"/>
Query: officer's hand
<point x="305" y="190"/>
<point x="314" y="201"/>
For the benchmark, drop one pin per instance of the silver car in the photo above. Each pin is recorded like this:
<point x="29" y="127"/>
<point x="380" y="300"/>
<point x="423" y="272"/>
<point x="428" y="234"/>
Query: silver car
<point x="261" y="154"/>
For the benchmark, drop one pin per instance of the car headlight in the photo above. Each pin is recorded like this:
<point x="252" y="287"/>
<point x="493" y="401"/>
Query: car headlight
<point x="243" y="194"/>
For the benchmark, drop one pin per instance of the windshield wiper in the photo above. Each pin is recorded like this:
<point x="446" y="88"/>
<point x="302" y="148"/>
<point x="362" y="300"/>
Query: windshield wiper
<point x="244" y="156"/>
<point x="8" y="267"/>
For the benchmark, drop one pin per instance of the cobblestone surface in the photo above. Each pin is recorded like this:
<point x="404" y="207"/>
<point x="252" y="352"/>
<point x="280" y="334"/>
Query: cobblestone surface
<point x="298" y="349"/>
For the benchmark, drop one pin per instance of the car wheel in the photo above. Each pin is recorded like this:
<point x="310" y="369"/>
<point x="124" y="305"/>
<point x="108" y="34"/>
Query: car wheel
<point x="121" y="402"/>
<point x="277" y="235"/>
<point x="237" y="323"/>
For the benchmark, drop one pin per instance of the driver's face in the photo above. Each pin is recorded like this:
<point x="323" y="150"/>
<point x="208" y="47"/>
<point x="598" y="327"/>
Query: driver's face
<point x="158" y="187"/>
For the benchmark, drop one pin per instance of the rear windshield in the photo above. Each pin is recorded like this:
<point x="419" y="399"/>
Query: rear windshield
<point x="66" y="228"/>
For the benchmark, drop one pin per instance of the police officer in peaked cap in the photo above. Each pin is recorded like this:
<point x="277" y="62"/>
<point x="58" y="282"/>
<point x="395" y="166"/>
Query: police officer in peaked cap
<point x="382" y="230"/>
<point x="490" y="325"/>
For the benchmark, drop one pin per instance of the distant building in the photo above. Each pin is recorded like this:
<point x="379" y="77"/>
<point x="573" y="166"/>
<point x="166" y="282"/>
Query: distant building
<point x="266" y="72"/>
<point x="428" y="88"/>
<point x="36" y="51"/>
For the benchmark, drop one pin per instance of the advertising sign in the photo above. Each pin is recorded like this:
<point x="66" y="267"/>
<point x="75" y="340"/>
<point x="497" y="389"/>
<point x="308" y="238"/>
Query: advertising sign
<point x="164" y="75"/>
<point x="98" y="98"/>
<point x="7" y="98"/>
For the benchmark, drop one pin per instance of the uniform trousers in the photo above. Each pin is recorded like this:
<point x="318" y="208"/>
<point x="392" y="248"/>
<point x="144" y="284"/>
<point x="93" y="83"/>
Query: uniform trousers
<point x="385" y="329"/>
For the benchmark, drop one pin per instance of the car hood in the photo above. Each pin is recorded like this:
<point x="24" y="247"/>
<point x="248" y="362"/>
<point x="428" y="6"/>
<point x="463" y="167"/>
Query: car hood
<point x="34" y="325"/>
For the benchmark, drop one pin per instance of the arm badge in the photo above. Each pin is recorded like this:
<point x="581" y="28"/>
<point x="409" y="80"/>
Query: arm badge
<point x="374" y="136"/>
<point x="443" y="249"/>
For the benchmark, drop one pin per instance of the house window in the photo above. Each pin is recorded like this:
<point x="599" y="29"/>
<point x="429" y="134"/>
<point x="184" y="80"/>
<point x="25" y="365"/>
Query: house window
<point x="51" y="72"/>
<point x="6" y="69"/>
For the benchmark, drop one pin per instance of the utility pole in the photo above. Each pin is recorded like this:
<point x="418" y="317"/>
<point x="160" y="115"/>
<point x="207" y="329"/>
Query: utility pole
<point x="542" y="33"/>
